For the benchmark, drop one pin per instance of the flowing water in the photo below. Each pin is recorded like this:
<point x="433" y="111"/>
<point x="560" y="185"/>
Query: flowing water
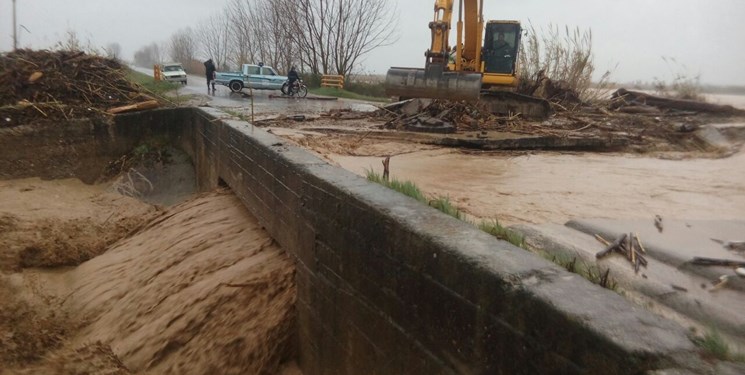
<point x="556" y="187"/>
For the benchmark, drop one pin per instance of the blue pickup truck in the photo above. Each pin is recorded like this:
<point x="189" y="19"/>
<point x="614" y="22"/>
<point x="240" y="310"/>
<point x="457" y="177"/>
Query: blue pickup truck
<point x="257" y="77"/>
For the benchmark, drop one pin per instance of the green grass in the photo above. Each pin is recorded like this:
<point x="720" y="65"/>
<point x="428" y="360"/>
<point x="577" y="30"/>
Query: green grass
<point x="443" y="204"/>
<point x="497" y="230"/>
<point x="589" y="271"/>
<point x="341" y="93"/>
<point x="158" y="88"/>
<point x="406" y="188"/>
<point x="714" y="344"/>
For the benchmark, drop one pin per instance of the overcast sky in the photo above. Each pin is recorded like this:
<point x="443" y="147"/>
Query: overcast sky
<point x="706" y="37"/>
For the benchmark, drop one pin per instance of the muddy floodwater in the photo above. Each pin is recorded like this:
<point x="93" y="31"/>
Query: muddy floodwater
<point x="556" y="187"/>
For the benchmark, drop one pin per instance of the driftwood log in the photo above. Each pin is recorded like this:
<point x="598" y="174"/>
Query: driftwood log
<point x="701" y="261"/>
<point x="639" y="98"/>
<point x="150" y="104"/>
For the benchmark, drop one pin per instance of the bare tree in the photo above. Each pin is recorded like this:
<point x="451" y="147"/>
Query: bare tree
<point x="363" y="25"/>
<point x="333" y="35"/>
<point x="242" y="15"/>
<point x="183" y="46"/>
<point x="149" y="55"/>
<point x="213" y="36"/>
<point x="113" y="50"/>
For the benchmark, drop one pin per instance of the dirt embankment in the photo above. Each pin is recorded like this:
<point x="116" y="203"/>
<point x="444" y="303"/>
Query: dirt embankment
<point x="201" y="289"/>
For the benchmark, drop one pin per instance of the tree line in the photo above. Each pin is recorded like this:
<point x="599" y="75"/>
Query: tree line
<point x="316" y="36"/>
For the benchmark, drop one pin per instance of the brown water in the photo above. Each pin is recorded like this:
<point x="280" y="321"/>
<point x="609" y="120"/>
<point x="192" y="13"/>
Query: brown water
<point x="202" y="289"/>
<point x="556" y="187"/>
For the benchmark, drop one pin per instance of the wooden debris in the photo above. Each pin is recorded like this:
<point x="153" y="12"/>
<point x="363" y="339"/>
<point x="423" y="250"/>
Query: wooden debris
<point x="701" y="261"/>
<point x="35" y="76"/>
<point x="735" y="245"/>
<point x="722" y="282"/>
<point x="614" y="246"/>
<point x="386" y="165"/>
<point x="602" y="240"/>
<point x="150" y="104"/>
<point x="39" y="84"/>
<point x="639" y="244"/>
<point x="629" y="246"/>
<point x="679" y="288"/>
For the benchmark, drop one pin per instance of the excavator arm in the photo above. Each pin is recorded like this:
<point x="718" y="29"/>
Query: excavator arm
<point x="435" y="80"/>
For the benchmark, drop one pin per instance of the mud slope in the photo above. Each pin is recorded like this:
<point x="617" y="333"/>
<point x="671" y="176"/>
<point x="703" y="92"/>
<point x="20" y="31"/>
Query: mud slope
<point x="201" y="290"/>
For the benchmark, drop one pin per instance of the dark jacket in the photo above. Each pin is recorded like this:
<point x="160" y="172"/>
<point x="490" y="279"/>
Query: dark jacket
<point x="209" y="68"/>
<point x="292" y="75"/>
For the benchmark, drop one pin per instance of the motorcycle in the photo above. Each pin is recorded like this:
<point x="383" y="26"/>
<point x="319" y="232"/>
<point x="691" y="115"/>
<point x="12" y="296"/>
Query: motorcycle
<point x="298" y="89"/>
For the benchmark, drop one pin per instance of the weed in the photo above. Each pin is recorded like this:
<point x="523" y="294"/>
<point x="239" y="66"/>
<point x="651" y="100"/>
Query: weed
<point x="682" y="85"/>
<point x="717" y="347"/>
<point x="443" y="204"/>
<point x="589" y="271"/>
<point x="564" y="57"/>
<point x="497" y="230"/>
<point x="406" y="188"/>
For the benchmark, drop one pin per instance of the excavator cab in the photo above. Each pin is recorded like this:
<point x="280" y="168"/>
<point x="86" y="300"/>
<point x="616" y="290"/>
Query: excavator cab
<point x="501" y="44"/>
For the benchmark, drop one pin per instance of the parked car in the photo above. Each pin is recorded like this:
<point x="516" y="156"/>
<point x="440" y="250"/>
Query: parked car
<point x="257" y="77"/>
<point x="173" y="72"/>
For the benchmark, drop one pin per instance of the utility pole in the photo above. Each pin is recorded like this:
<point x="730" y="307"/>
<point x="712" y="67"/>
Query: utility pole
<point x="15" y="29"/>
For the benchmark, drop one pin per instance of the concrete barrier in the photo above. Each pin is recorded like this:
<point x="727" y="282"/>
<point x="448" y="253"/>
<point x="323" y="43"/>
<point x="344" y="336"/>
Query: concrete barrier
<point x="389" y="286"/>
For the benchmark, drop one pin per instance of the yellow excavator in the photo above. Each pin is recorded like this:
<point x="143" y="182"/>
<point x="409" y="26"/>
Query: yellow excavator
<point x="470" y="70"/>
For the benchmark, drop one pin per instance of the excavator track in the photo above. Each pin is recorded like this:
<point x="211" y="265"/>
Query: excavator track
<point x="509" y="103"/>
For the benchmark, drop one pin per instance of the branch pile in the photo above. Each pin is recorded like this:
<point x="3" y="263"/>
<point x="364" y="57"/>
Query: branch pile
<point x="439" y="116"/>
<point x="61" y="85"/>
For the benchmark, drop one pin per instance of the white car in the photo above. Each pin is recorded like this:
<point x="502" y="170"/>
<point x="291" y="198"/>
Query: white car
<point x="173" y="72"/>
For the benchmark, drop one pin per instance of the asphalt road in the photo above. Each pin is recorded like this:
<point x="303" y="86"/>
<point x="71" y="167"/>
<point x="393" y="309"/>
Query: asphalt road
<point x="265" y="102"/>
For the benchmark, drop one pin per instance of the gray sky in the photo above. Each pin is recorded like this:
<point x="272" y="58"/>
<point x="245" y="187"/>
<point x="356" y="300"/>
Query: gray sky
<point x="705" y="37"/>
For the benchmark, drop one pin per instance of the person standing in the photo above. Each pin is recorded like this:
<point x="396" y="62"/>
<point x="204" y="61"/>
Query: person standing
<point x="209" y="69"/>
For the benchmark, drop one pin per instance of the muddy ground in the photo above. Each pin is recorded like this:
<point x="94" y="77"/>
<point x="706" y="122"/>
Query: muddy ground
<point x="153" y="297"/>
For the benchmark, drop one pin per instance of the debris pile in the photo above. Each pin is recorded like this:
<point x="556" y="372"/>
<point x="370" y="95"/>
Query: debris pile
<point x="439" y="116"/>
<point x="557" y="92"/>
<point x="63" y="85"/>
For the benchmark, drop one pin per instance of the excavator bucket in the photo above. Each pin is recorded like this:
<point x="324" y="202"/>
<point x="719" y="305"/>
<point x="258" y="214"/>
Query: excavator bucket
<point x="434" y="84"/>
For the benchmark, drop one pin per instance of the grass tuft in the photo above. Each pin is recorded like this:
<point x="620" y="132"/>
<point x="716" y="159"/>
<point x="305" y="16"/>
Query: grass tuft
<point x="682" y="85"/>
<point x="406" y="188"/>
<point x="717" y="347"/>
<point x="497" y="230"/>
<point x="443" y="204"/>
